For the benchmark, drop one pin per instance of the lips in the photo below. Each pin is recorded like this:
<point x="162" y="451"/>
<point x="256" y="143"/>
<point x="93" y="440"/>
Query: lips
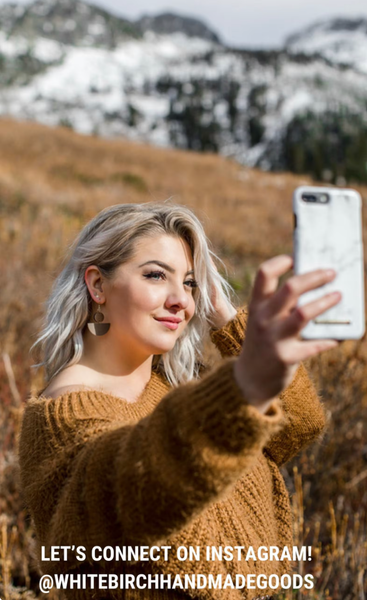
<point x="170" y="322"/>
<point x="169" y="319"/>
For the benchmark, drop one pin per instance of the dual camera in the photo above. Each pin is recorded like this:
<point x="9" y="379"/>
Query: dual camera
<point x="316" y="197"/>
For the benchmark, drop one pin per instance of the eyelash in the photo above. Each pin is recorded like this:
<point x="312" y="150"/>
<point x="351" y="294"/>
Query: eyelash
<point x="149" y="276"/>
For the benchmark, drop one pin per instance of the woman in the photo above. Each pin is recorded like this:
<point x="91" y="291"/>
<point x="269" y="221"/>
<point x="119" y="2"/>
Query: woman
<point x="134" y="444"/>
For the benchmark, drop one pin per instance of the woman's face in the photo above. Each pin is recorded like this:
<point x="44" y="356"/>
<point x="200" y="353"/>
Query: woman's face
<point x="141" y="293"/>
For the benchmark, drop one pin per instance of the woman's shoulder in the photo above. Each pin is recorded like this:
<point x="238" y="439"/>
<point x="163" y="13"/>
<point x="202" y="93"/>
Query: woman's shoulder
<point x="70" y="379"/>
<point x="55" y="392"/>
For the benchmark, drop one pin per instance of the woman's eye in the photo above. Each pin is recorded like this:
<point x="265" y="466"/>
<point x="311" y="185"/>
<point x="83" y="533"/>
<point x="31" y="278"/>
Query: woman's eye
<point x="154" y="274"/>
<point x="192" y="283"/>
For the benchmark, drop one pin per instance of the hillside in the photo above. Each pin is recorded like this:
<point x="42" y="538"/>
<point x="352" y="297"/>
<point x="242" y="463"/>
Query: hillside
<point x="52" y="181"/>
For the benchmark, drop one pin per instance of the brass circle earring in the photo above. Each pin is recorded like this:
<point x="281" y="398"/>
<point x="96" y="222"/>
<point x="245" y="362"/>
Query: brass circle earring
<point x="97" y="327"/>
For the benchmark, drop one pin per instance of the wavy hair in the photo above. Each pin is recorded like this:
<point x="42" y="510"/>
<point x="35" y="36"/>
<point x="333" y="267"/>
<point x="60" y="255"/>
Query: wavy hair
<point x="108" y="241"/>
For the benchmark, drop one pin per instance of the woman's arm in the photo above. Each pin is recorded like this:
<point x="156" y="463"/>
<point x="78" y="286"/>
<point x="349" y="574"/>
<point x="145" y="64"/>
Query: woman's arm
<point x="89" y="480"/>
<point x="304" y="414"/>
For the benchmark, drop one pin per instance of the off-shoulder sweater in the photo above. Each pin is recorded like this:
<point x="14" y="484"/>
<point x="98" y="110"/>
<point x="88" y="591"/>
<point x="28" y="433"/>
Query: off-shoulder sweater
<point x="193" y="465"/>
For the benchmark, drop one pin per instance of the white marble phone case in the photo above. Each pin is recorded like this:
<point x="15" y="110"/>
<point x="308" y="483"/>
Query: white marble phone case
<point x="330" y="236"/>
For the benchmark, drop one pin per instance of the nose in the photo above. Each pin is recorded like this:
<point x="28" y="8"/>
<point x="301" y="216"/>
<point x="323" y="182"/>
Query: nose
<point x="177" y="299"/>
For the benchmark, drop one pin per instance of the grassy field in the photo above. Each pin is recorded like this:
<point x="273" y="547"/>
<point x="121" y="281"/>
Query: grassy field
<point x="52" y="181"/>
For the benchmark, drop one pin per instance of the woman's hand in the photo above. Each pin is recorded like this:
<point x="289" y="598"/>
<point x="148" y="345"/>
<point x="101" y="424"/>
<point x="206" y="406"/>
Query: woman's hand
<point x="272" y="349"/>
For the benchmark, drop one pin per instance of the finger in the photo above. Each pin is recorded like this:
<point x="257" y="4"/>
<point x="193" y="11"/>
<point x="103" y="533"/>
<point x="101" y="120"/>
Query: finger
<point x="287" y="296"/>
<point x="302" y="315"/>
<point x="305" y="349"/>
<point x="267" y="277"/>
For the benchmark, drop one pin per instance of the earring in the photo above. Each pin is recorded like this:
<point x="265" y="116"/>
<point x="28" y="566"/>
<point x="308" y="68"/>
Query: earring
<point x="97" y="327"/>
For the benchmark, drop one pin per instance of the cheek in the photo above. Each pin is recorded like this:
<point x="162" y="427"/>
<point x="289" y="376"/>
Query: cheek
<point x="145" y="297"/>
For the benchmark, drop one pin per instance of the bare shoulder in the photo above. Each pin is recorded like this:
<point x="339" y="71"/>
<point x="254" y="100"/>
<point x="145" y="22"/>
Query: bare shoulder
<point x="51" y="392"/>
<point x="71" y="379"/>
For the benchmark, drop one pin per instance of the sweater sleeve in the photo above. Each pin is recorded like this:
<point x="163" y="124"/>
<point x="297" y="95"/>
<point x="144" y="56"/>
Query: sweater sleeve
<point x="91" y="481"/>
<point x="304" y="413"/>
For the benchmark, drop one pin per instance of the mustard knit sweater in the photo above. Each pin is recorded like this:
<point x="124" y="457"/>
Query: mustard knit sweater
<point x="194" y="465"/>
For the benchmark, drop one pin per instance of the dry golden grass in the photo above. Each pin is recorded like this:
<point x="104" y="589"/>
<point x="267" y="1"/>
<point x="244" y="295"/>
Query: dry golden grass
<point x="52" y="181"/>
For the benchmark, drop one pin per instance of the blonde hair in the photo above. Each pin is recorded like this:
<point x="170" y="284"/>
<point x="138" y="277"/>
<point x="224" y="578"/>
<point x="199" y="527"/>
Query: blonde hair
<point x="108" y="241"/>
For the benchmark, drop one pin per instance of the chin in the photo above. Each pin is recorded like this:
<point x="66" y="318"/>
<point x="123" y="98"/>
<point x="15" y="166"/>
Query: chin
<point x="163" y="348"/>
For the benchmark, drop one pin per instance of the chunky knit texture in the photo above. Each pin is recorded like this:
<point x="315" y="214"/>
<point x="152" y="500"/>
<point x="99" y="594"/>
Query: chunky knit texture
<point x="195" y="465"/>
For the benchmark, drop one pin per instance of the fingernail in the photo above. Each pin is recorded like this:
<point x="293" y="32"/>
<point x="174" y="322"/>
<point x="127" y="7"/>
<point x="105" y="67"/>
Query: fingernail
<point x="330" y="272"/>
<point x="334" y="296"/>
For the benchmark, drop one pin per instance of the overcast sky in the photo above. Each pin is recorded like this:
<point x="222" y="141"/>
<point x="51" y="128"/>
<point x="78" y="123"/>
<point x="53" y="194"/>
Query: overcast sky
<point x="251" y="23"/>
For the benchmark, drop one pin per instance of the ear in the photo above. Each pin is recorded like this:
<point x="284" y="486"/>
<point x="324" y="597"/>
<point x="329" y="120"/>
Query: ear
<point x="94" y="282"/>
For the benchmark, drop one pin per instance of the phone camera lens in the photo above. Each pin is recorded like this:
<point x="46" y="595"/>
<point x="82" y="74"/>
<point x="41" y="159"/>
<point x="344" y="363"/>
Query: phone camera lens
<point x="309" y="198"/>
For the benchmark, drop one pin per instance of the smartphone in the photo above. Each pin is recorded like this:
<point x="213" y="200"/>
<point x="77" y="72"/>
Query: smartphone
<point x="328" y="234"/>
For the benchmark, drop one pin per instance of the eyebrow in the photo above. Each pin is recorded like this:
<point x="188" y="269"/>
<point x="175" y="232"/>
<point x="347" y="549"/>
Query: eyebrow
<point x="164" y="265"/>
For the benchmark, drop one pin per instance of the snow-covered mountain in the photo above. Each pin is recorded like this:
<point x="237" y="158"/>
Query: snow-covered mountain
<point x="342" y="41"/>
<point x="169" y="80"/>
